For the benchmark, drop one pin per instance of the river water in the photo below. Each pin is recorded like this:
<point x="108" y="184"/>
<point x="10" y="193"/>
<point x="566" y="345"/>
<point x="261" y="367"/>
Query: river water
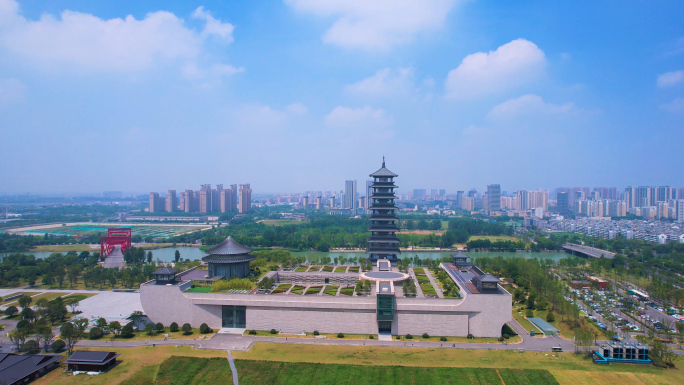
<point x="167" y="254"/>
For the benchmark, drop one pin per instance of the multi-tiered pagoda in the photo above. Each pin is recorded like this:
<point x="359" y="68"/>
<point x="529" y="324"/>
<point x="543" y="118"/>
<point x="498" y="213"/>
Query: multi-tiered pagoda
<point x="383" y="242"/>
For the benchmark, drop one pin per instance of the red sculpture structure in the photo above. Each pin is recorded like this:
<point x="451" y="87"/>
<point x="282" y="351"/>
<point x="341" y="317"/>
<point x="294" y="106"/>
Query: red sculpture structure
<point x="115" y="236"/>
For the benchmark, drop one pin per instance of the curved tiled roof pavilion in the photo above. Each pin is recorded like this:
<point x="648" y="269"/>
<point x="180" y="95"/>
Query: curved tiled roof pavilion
<point x="229" y="259"/>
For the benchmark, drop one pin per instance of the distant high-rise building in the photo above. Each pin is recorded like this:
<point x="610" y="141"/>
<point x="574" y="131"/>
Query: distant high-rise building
<point x="459" y="198"/>
<point x="419" y="194"/>
<point x="442" y="192"/>
<point x="434" y="194"/>
<point x="319" y="203"/>
<point x="245" y="199"/>
<point x="680" y="210"/>
<point x="664" y="193"/>
<point x="350" y="195"/>
<point x="156" y="203"/>
<point x="171" y="203"/>
<point x="331" y="202"/>
<point x="205" y="199"/>
<point x="226" y="200"/>
<point x="562" y="203"/>
<point x="468" y="204"/>
<point x="234" y="187"/>
<point x="493" y="198"/>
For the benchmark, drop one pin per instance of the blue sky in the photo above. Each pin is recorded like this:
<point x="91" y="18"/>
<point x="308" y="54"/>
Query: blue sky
<point x="303" y="94"/>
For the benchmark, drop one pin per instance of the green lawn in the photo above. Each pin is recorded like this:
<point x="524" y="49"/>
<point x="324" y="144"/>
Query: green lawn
<point x="199" y="289"/>
<point x="354" y="269"/>
<point x="192" y="370"/>
<point x="418" y="271"/>
<point x="314" y="289"/>
<point x="340" y="269"/>
<point x="315" y="268"/>
<point x="282" y="288"/>
<point x="302" y="268"/>
<point x="428" y="289"/>
<point x="349" y="290"/>
<point x="79" y="296"/>
<point x="297" y="289"/>
<point x="422" y="279"/>
<point x="329" y="269"/>
<point x="330" y="289"/>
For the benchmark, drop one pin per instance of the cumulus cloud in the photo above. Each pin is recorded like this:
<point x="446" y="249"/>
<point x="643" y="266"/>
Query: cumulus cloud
<point x="527" y="105"/>
<point x="87" y="42"/>
<point x="385" y="82"/>
<point x="378" y="24"/>
<point x="481" y="73"/>
<point x="214" y="26"/>
<point x="674" y="107"/>
<point x="11" y="90"/>
<point x="670" y="79"/>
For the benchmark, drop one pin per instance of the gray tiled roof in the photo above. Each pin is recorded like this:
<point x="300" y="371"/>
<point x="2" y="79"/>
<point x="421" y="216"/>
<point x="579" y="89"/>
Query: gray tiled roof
<point x="383" y="172"/>
<point x="229" y="247"/>
<point x="166" y="271"/>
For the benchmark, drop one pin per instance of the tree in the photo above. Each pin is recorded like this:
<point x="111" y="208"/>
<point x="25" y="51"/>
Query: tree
<point x="136" y="317"/>
<point x="73" y="304"/>
<point x="45" y="336"/>
<point x="661" y="354"/>
<point x="127" y="331"/>
<point x="159" y="327"/>
<point x="70" y="335"/>
<point x="550" y="317"/>
<point x="28" y="314"/>
<point x="101" y="323"/>
<point x="57" y="346"/>
<point x="95" y="333"/>
<point x="149" y="256"/>
<point x="81" y="324"/>
<point x="186" y="328"/>
<point x="680" y="331"/>
<point x="149" y="328"/>
<point x="204" y="329"/>
<point x="30" y="347"/>
<point x="177" y="256"/>
<point x="114" y="327"/>
<point x="18" y="337"/>
<point x="173" y="327"/>
<point x="25" y="301"/>
<point x="11" y="311"/>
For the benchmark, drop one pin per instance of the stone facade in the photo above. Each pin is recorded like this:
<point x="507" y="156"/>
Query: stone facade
<point x="482" y="315"/>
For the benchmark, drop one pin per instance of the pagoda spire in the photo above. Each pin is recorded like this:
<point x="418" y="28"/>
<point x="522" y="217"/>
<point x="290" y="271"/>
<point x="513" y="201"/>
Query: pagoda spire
<point x="383" y="242"/>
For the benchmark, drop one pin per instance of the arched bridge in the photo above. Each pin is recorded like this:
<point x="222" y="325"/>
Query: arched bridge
<point x="588" y="251"/>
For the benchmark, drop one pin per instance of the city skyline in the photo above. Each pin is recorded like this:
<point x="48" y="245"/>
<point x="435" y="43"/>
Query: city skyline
<point x="160" y="90"/>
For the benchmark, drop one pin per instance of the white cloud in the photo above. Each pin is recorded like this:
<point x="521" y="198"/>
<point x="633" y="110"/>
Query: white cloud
<point x="377" y="24"/>
<point x="670" y="79"/>
<point x="211" y="75"/>
<point x="357" y="117"/>
<point x="86" y="42"/>
<point x="527" y="105"/>
<point x="675" y="107"/>
<point x="214" y="26"/>
<point x="297" y="109"/>
<point x="11" y="90"/>
<point x="480" y="74"/>
<point x="385" y="82"/>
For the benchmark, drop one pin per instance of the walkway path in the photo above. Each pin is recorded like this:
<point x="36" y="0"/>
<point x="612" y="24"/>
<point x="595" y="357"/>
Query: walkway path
<point x="115" y="259"/>
<point x="428" y="274"/>
<point x="419" y="291"/>
<point x="232" y="368"/>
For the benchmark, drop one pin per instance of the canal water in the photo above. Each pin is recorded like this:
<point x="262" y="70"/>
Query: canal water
<point x="167" y="254"/>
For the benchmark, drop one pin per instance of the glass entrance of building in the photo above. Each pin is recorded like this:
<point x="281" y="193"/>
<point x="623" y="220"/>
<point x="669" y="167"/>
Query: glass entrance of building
<point x="384" y="326"/>
<point x="234" y="316"/>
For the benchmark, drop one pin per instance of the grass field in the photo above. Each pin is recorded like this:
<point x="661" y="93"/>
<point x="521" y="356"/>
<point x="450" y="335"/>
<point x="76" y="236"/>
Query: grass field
<point x="341" y="269"/>
<point x="313" y="290"/>
<point x="141" y="365"/>
<point x="302" y="268"/>
<point x="80" y="296"/>
<point x="297" y="289"/>
<point x="191" y="370"/>
<point x="349" y="290"/>
<point x="494" y="238"/>
<point x="199" y="289"/>
<point x="282" y="288"/>
<point x="330" y="289"/>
